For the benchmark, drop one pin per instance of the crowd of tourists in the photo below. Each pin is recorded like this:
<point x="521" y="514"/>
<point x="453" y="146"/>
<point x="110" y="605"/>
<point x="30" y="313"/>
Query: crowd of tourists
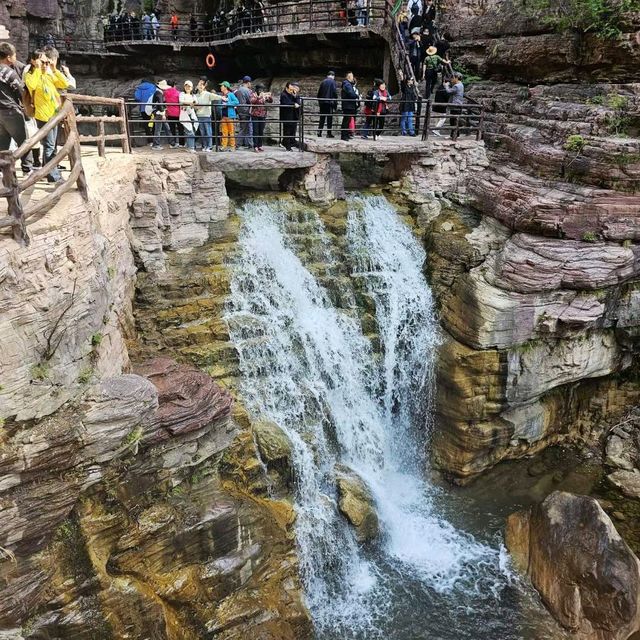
<point x="231" y="117"/>
<point x="248" y="16"/>
<point x="30" y="96"/>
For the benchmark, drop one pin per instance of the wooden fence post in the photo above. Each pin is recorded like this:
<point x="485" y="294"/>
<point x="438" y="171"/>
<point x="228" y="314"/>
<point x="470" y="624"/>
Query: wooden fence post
<point x="75" y="154"/>
<point x="101" y="143"/>
<point x="124" y="130"/>
<point x="10" y="181"/>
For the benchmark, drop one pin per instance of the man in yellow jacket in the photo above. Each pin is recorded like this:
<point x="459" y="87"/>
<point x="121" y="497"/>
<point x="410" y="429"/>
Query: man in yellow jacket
<point x="44" y="80"/>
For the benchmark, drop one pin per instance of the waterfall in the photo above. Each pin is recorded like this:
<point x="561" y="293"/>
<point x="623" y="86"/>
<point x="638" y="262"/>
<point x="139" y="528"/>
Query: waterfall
<point x="296" y="317"/>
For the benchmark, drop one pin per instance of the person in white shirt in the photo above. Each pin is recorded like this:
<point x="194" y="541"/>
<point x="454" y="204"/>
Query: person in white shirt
<point x="188" y="117"/>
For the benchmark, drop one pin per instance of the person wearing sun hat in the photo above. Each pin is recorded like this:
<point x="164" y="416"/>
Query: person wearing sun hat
<point x="432" y="62"/>
<point x="228" y="113"/>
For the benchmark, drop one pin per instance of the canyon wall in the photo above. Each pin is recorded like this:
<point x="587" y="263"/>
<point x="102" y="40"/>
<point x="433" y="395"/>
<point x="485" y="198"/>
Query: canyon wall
<point x="133" y="497"/>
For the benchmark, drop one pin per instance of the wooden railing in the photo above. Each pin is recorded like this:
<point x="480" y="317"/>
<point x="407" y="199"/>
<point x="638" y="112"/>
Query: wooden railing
<point x="101" y="138"/>
<point x="13" y="188"/>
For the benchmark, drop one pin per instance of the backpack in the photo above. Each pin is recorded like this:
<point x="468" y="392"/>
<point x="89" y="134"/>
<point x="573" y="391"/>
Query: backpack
<point x="144" y="94"/>
<point x="27" y="104"/>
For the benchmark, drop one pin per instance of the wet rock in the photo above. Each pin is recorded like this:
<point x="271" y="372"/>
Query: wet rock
<point x="586" y="574"/>
<point x="627" y="481"/>
<point x="623" y="447"/>
<point x="356" y="503"/>
<point x="275" y="447"/>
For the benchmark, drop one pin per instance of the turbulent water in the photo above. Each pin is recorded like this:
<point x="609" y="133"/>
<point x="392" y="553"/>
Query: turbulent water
<point x="299" y="302"/>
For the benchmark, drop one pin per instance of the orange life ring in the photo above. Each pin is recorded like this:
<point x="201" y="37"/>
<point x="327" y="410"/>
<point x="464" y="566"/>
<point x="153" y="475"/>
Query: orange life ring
<point x="210" y="61"/>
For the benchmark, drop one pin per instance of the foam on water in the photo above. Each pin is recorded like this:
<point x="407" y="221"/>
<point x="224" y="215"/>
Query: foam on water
<point x="307" y="365"/>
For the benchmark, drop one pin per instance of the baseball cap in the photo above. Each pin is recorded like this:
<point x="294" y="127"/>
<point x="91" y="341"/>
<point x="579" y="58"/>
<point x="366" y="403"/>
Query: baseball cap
<point x="246" y="79"/>
<point x="225" y="84"/>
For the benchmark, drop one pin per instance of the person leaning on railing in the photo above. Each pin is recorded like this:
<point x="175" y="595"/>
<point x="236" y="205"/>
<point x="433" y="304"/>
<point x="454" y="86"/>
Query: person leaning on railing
<point x="44" y="81"/>
<point x="12" y="116"/>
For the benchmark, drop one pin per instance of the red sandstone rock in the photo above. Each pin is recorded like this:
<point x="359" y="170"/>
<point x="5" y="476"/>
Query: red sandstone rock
<point x="188" y="399"/>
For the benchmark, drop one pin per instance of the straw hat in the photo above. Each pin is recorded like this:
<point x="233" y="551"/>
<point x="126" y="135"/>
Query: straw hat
<point x="431" y="51"/>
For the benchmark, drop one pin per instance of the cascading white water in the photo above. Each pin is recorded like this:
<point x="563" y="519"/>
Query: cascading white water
<point x="306" y="364"/>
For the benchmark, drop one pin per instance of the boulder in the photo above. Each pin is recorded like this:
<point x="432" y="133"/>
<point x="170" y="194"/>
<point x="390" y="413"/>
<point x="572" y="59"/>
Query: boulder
<point x="356" y="503"/>
<point x="274" y="447"/>
<point x="627" y="481"/>
<point x="586" y="574"/>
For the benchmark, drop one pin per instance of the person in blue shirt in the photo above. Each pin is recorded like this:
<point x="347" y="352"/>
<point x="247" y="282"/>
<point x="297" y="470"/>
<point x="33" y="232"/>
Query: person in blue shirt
<point x="228" y="113"/>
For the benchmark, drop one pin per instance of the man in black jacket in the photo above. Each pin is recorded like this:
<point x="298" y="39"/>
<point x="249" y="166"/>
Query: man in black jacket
<point x="289" y="114"/>
<point x="12" y="121"/>
<point x="328" y="96"/>
<point x="349" y="106"/>
<point x="159" y="115"/>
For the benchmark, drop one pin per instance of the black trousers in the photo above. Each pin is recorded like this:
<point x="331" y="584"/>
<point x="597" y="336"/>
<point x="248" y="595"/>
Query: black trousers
<point x="326" y="115"/>
<point x="174" y="126"/>
<point x="432" y="80"/>
<point x="455" y="120"/>
<point x="289" y="134"/>
<point x="345" y="132"/>
<point x="258" y="131"/>
<point x="14" y="127"/>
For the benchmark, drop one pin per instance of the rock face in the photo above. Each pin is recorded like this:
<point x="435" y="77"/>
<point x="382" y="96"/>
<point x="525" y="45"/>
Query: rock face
<point x="356" y="504"/>
<point x="586" y="574"/>
<point x="65" y="300"/>
<point x="120" y="511"/>
<point x="623" y="456"/>
<point x="498" y="39"/>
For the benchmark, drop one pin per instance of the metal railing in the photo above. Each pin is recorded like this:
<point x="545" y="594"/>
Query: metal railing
<point x="277" y="17"/>
<point x="465" y="119"/>
<point x="360" y="120"/>
<point x="13" y="188"/>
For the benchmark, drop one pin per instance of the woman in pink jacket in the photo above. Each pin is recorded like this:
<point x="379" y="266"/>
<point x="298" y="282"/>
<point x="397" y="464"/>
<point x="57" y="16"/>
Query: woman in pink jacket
<point x="172" y="98"/>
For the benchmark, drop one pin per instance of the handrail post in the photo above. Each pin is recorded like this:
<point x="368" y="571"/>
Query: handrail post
<point x="124" y="128"/>
<point x="101" y="143"/>
<point x="301" y="135"/>
<point x="75" y="154"/>
<point x="10" y="181"/>
<point x="427" y="120"/>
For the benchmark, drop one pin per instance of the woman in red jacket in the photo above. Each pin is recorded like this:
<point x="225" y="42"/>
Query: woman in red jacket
<point x="172" y="98"/>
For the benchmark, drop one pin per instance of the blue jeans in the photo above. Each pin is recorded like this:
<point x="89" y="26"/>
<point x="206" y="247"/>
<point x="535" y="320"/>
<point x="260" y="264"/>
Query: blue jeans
<point x="160" y="128"/>
<point x="406" y="123"/>
<point x="189" y="137"/>
<point x="205" y="132"/>
<point x="49" y="150"/>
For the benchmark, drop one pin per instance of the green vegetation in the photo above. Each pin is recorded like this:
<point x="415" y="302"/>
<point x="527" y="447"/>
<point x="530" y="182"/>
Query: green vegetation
<point x="110" y="273"/>
<point x="467" y="77"/>
<point x="40" y="371"/>
<point x="148" y="5"/>
<point x="66" y="530"/>
<point x="85" y="375"/>
<point x="574" y="144"/>
<point x="589" y="236"/>
<point x="618" y="121"/>
<point x="132" y="439"/>
<point x="603" y="18"/>
<point x="96" y="339"/>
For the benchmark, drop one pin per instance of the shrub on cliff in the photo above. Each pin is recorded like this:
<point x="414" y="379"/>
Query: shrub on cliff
<point x="604" y="18"/>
